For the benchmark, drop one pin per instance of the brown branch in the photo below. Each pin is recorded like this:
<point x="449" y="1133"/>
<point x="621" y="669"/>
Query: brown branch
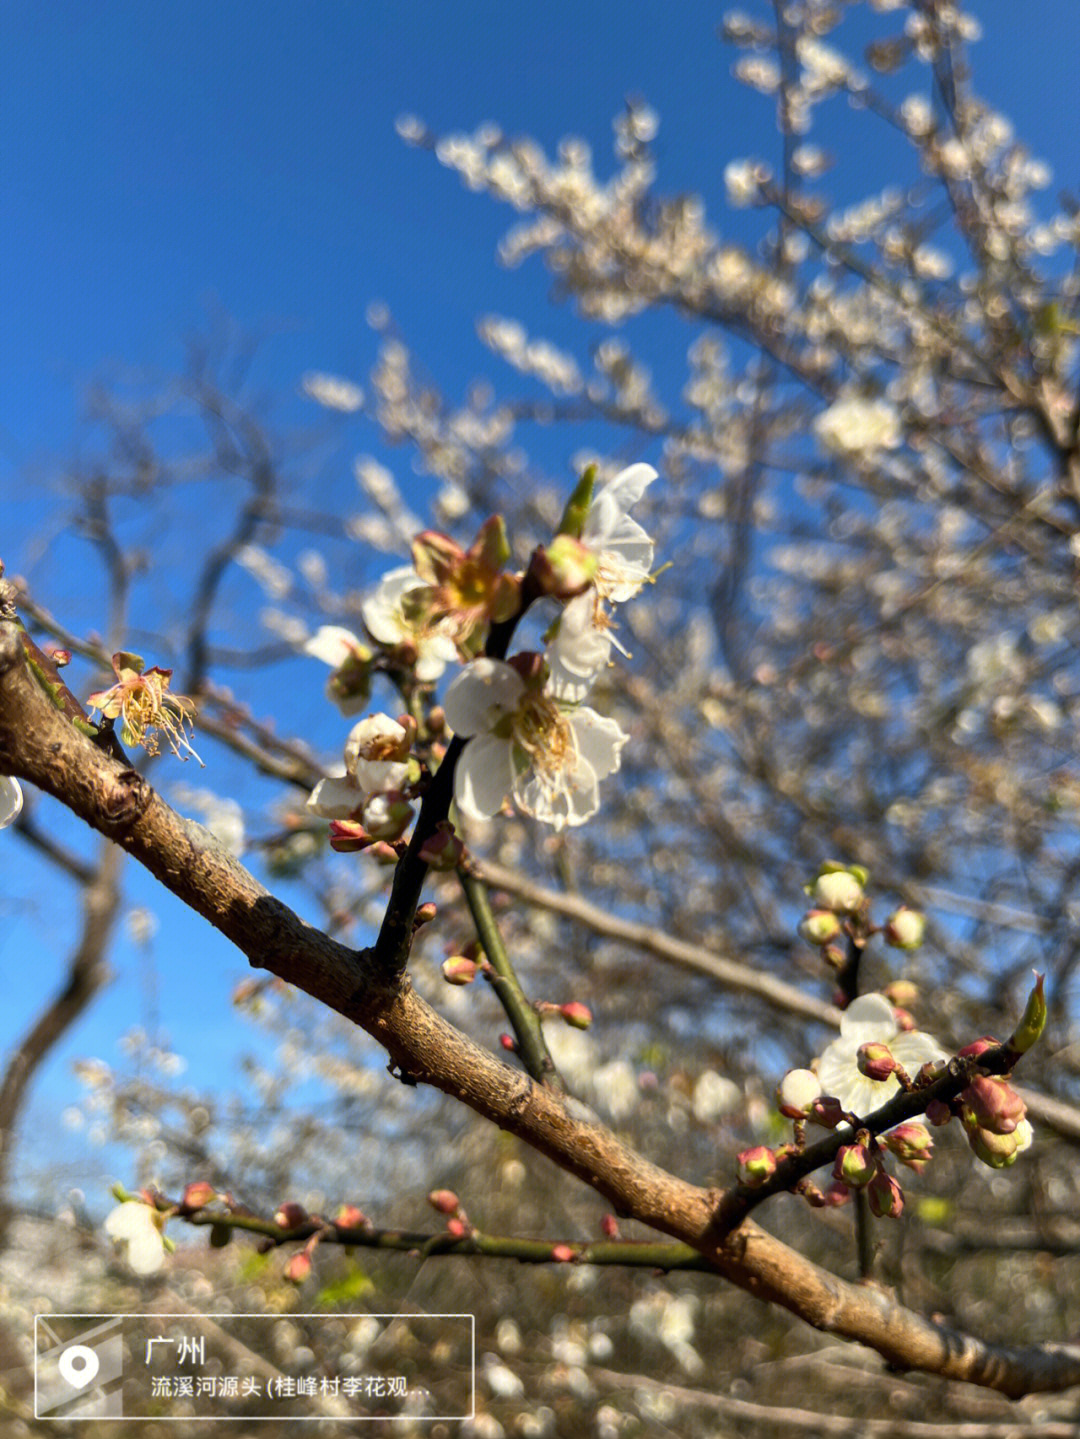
<point x="37" y="744"/>
<point x="87" y="972"/>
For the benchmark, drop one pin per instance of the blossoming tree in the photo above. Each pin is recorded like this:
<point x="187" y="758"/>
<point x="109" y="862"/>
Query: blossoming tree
<point x="836" y="618"/>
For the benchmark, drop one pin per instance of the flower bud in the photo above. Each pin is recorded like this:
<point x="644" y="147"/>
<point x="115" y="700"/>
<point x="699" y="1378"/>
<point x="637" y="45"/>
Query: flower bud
<point x="459" y="970"/>
<point x="387" y="815"/>
<point x="348" y="836"/>
<point x="797" y="1093"/>
<point x="456" y="1228"/>
<point x="609" y="1225"/>
<point x="902" y="993"/>
<point x="875" y="1060"/>
<point x="855" y="1165"/>
<point x="838" y="890"/>
<point x="911" y="1143"/>
<point x="350" y="1217"/>
<point x="1033" y="1020"/>
<point x="997" y="1151"/>
<point x="442" y="850"/>
<point x="298" y="1267"/>
<point x="445" y="1201"/>
<point x="905" y="928"/>
<point x="756" y="1166"/>
<point x="818" y="926"/>
<point x="993" y="1104"/>
<point x="290" y="1215"/>
<point x="836" y="1195"/>
<point x="197" y="1195"/>
<point x="828" y="1112"/>
<point x="977" y="1047"/>
<point x="425" y="913"/>
<point x="905" y="1022"/>
<point x="562" y="1254"/>
<point x="563" y="569"/>
<point x="938" y="1112"/>
<point x="576" y="1015"/>
<point x="885" y="1196"/>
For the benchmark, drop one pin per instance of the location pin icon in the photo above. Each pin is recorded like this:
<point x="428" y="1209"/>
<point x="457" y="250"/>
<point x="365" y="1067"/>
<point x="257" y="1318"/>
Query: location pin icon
<point x="78" y="1365"/>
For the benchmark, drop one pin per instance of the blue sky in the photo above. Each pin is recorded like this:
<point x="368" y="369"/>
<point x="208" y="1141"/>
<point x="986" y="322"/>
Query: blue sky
<point x="161" y="159"/>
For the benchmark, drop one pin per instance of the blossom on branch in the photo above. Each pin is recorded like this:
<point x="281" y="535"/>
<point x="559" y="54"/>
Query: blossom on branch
<point x="140" y="699"/>
<point x="137" y="1229"/>
<point x="871" y="1019"/>
<point x="376" y="763"/>
<point x="395" y="615"/>
<point x="522" y="741"/>
<point x="350" y="659"/>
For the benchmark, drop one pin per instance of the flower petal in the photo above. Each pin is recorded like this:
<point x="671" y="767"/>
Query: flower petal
<point x="868" y="1018"/>
<point x="484" y="776"/>
<point x="599" y="741"/>
<point x="332" y="644"/>
<point x="11" y="800"/>
<point x="481" y="695"/>
<point x="335" y="798"/>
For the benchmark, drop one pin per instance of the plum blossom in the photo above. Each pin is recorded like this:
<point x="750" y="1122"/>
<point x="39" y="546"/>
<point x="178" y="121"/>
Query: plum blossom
<point x="854" y="426"/>
<point x="623" y="549"/>
<point x="521" y="741"/>
<point x="582" y="643"/>
<point x="141" y="700"/>
<point x="136" y="1228"/>
<point x="376" y="762"/>
<point x="350" y="659"/>
<point x="867" y="1020"/>
<point x="11" y="800"/>
<point x="391" y="620"/>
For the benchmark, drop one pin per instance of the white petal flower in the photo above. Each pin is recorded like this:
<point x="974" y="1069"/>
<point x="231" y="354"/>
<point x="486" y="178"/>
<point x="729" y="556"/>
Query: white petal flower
<point x="11" y="800"/>
<point x="385" y="617"/>
<point x="579" y="650"/>
<point x="623" y="548"/>
<point x="853" y="426"/>
<point x="869" y="1019"/>
<point x="332" y="644"/>
<point x="522" y="742"/>
<point x="136" y="1227"/>
<point x="375" y="763"/>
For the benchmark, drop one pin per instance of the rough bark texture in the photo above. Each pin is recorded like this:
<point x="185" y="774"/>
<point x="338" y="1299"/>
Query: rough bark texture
<point x="37" y="743"/>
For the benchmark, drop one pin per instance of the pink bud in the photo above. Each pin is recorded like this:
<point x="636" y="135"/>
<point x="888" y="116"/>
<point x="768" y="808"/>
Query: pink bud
<point x="198" y="1194"/>
<point x="885" y="1196"/>
<point x="994" y="1103"/>
<point x="875" y="1060"/>
<point x="298" y="1267"/>
<point x="290" y="1215"/>
<point x="576" y="1015"/>
<point x="938" y="1112"/>
<point x="508" y="1042"/>
<point x="904" y="1021"/>
<point x="564" y="568"/>
<point x="911" y="1143"/>
<point x="855" y="1165"/>
<point x="827" y="1112"/>
<point x="980" y="1046"/>
<point x="349" y="1217"/>
<point x="444" y="1200"/>
<point x="456" y="1228"/>
<point x="837" y="1194"/>
<point x="756" y="1166"/>
<point x="347" y="836"/>
<point x="562" y="1254"/>
<point x="459" y="970"/>
<point x="998" y="1151"/>
<point x="442" y="850"/>
<point x="610" y="1226"/>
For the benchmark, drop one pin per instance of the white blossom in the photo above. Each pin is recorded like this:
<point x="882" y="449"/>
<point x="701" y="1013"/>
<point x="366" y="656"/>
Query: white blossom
<point x="872" y="1019"/>
<point x="623" y="549"/>
<point x="374" y="764"/>
<point x="386" y="619"/>
<point x="853" y="426"/>
<point x="136" y="1228"/>
<point x="333" y="393"/>
<point x="11" y="800"/>
<point x="521" y="741"/>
